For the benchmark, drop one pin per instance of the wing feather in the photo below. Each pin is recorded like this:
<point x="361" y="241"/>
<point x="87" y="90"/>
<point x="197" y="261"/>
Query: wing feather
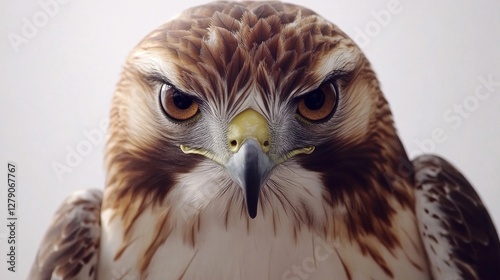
<point x="457" y="231"/>
<point x="69" y="249"/>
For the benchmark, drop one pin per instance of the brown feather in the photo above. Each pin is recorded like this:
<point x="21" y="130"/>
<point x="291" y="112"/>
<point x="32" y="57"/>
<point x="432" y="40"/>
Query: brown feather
<point x="219" y="53"/>
<point x="72" y="240"/>
<point x="455" y="224"/>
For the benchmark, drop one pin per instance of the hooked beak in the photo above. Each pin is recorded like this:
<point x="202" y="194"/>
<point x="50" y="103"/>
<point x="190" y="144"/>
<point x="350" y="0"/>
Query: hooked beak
<point x="249" y="163"/>
<point x="250" y="168"/>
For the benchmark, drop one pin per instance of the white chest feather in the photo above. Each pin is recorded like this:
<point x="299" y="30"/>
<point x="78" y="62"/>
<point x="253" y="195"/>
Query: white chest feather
<point x="271" y="246"/>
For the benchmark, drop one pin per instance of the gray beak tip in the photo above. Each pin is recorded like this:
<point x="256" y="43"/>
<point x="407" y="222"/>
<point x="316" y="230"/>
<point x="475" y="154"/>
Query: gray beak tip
<point x="250" y="167"/>
<point x="252" y="212"/>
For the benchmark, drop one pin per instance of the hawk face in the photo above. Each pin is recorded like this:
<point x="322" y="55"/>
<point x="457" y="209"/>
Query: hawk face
<point x="253" y="110"/>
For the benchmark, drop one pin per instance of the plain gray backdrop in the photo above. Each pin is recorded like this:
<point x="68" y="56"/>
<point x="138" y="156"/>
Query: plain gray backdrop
<point x="438" y="62"/>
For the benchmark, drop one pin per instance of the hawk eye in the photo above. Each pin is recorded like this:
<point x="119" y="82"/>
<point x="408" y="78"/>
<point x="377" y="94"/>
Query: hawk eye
<point x="176" y="104"/>
<point x="318" y="104"/>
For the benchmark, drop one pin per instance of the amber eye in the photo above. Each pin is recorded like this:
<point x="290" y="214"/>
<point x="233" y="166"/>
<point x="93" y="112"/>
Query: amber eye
<point x="176" y="104"/>
<point x="318" y="104"/>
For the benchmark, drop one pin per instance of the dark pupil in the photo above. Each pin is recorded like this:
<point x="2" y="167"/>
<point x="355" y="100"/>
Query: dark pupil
<point x="181" y="100"/>
<point x="314" y="100"/>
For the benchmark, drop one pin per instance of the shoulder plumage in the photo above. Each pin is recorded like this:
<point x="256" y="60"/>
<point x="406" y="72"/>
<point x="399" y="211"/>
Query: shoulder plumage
<point x="457" y="231"/>
<point x="69" y="249"/>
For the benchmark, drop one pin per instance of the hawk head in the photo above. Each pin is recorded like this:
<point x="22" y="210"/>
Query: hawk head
<point x="249" y="110"/>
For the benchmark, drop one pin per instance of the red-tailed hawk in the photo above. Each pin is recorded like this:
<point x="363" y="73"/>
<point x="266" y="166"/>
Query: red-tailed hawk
<point x="251" y="140"/>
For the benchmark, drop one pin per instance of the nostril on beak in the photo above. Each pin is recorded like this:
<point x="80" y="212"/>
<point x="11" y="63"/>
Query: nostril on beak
<point x="265" y="145"/>
<point x="248" y="125"/>
<point x="234" y="145"/>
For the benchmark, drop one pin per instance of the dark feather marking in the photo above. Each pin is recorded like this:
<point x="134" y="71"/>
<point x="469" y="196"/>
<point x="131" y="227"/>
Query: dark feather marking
<point x="227" y="47"/>
<point x="188" y="265"/>
<point x="313" y="253"/>
<point x="416" y="247"/>
<point x="256" y="31"/>
<point x="416" y="265"/>
<point x="123" y="248"/>
<point x="92" y="271"/>
<point x="237" y="11"/>
<point x="286" y="203"/>
<point x="348" y="176"/>
<point x="260" y="33"/>
<point x="264" y="11"/>
<point x="248" y="21"/>
<point x="278" y="194"/>
<point x="143" y="180"/>
<point x="209" y="56"/>
<point x="79" y="218"/>
<point x="163" y="230"/>
<point x="143" y="176"/>
<point x="468" y="227"/>
<point x="308" y="216"/>
<point x="380" y="261"/>
<point x="295" y="235"/>
<point x="194" y="230"/>
<point x="346" y="269"/>
<point x="267" y="195"/>
<point x="264" y="55"/>
<point x="225" y="21"/>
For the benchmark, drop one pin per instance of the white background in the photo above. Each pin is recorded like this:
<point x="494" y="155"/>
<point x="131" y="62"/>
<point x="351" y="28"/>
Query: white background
<point x="57" y="85"/>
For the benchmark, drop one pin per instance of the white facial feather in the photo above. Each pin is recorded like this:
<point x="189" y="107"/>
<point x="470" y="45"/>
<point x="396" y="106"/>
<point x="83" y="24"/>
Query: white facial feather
<point x="256" y="249"/>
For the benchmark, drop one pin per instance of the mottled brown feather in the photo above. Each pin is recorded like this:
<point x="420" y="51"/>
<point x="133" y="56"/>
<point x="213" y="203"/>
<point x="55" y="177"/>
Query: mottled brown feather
<point x="464" y="222"/>
<point x="72" y="240"/>
<point x="217" y="53"/>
